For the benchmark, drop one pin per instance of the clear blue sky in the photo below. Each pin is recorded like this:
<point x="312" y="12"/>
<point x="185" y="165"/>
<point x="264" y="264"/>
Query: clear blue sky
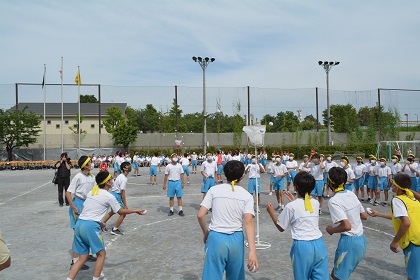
<point x="262" y="44"/>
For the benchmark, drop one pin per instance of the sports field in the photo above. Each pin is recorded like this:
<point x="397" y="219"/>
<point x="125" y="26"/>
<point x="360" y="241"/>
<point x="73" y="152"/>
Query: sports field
<point x="154" y="246"/>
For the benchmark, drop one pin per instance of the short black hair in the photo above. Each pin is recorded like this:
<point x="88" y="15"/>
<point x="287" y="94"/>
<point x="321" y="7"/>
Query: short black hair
<point x="124" y="165"/>
<point x="304" y="183"/>
<point x="82" y="160"/>
<point x="337" y="176"/>
<point x="63" y="155"/>
<point x="234" y="170"/>
<point x="403" y="180"/>
<point x="100" y="177"/>
<point x="316" y="155"/>
<point x="156" y="154"/>
<point x="185" y="154"/>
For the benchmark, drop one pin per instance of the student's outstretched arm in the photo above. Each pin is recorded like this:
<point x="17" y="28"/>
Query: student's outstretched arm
<point x="270" y="210"/>
<point x="201" y="216"/>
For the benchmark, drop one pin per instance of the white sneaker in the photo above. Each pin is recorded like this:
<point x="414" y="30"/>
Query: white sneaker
<point x="270" y="193"/>
<point x="282" y="207"/>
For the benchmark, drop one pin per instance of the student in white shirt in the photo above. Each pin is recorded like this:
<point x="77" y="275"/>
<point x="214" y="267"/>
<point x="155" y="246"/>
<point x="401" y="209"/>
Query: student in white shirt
<point x="384" y="177"/>
<point x="79" y="187"/>
<point x="372" y="180"/>
<point x="396" y="166"/>
<point x="344" y="163"/>
<point x="88" y="231"/>
<point x="174" y="181"/>
<point x="329" y="163"/>
<point x="291" y="165"/>
<point x="279" y="173"/>
<point x="410" y="168"/>
<point x="136" y="161"/>
<point x="233" y="208"/>
<point x="194" y="163"/>
<point x="347" y="214"/>
<point x="118" y="190"/>
<point x="302" y="165"/>
<point x="208" y="171"/>
<point x="185" y="162"/>
<point x="359" y="173"/>
<point x="254" y="169"/>
<point x="308" y="253"/>
<point x="154" y="163"/>
<point x="317" y="170"/>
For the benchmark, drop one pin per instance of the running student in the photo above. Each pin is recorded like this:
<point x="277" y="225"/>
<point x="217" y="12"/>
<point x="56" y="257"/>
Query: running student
<point x="254" y="169"/>
<point x="232" y="207"/>
<point x="347" y="214"/>
<point x="308" y="253"/>
<point x="79" y="187"/>
<point x="174" y="181"/>
<point x="88" y="231"/>
<point x="118" y="190"/>
<point x="405" y="215"/>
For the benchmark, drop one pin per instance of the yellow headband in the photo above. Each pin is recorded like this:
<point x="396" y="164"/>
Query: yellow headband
<point x="233" y="184"/>
<point x="340" y="187"/>
<point x="407" y="191"/>
<point x="308" y="204"/>
<point x="95" y="189"/>
<point x="86" y="162"/>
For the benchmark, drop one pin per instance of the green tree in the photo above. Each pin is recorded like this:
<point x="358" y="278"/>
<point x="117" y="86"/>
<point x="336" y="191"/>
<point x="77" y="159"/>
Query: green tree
<point x="344" y="118"/>
<point x="309" y="123"/>
<point x="124" y="134"/>
<point x="364" y="115"/>
<point x="237" y="124"/>
<point x="194" y="122"/>
<point x="286" y="122"/>
<point x="76" y="130"/>
<point x="266" y="120"/>
<point x="18" y="129"/>
<point x="149" y="119"/>
<point x="88" y="99"/>
<point x="114" y="116"/>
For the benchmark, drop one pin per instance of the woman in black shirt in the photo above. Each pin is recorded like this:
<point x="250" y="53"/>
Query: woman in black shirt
<point x="63" y="179"/>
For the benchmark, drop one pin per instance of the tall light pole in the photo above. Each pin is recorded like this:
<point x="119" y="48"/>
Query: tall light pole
<point x="327" y="65"/>
<point x="203" y="63"/>
<point x="406" y="117"/>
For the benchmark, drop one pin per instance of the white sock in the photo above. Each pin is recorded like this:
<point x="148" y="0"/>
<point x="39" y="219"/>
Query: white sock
<point x="171" y="208"/>
<point x="69" y="278"/>
<point x="95" y="278"/>
<point x="75" y="259"/>
<point x="114" y="228"/>
<point x="180" y="208"/>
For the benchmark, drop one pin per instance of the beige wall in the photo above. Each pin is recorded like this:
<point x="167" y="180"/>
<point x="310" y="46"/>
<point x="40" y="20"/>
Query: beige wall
<point x="53" y="125"/>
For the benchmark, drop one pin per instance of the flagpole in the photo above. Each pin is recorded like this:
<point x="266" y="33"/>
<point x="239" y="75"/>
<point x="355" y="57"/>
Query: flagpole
<point x="62" y="107"/>
<point x="45" y="100"/>
<point x="78" y="94"/>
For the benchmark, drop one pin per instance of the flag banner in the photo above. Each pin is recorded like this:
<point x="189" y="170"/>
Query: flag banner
<point x="43" y="79"/>
<point x="78" y="80"/>
<point x="61" y="72"/>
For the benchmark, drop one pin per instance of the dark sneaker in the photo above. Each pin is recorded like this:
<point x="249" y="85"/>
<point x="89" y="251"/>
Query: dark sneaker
<point x="61" y="204"/>
<point x="278" y="208"/>
<point x="320" y="212"/>
<point x="116" y="232"/>
<point x="92" y="258"/>
<point x="171" y="213"/>
<point x="84" y="267"/>
<point x="67" y="204"/>
<point x="181" y="213"/>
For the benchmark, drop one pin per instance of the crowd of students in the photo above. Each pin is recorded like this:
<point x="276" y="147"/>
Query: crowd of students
<point x="232" y="206"/>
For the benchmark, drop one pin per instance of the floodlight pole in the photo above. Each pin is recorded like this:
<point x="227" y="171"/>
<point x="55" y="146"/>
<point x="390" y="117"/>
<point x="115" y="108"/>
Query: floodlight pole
<point x="204" y="62"/>
<point x="327" y="67"/>
<point x="406" y="115"/>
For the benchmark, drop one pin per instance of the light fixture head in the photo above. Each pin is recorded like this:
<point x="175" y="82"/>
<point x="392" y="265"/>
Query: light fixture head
<point x="325" y="62"/>
<point x="320" y="62"/>
<point x="199" y="58"/>
<point x="331" y="63"/>
<point x="212" y="59"/>
<point x="206" y="58"/>
<point x="194" y="58"/>
<point x="337" y="62"/>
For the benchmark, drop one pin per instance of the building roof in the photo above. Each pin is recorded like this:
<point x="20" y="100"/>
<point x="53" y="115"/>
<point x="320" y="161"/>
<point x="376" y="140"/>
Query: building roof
<point x="69" y="109"/>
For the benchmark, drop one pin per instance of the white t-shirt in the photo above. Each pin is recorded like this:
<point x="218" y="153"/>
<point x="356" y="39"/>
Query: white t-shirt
<point x="174" y="171"/>
<point x="371" y="169"/>
<point x="279" y="169"/>
<point x="328" y="165"/>
<point x="193" y="157"/>
<point x="120" y="184"/>
<point x="396" y="168"/>
<point x="383" y="171"/>
<point x="185" y="161"/>
<point x="228" y="207"/>
<point x="96" y="207"/>
<point x="407" y="170"/>
<point x="358" y="169"/>
<point x="81" y="185"/>
<point x="316" y="171"/>
<point x="236" y="157"/>
<point x="292" y="164"/>
<point x="350" y="173"/>
<point x="399" y="209"/>
<point x="254" y="170"/>
<point x="119" y="160"/>
<point x="345" y="205"/>
<point x="304" y="225"/>
<point x="154" y="161"/>
<point x="209" y="168"/>
<point x="303" y="168"/>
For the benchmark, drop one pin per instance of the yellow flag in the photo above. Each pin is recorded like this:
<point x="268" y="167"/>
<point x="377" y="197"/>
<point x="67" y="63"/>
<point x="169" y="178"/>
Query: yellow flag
<point x="78" y="80"/>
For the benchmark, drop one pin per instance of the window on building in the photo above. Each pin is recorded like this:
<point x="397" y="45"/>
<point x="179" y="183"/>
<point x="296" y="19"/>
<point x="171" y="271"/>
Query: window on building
<point x="57" y="126"/>
<point x="74" y="125"/>
<point x="48" y="122"/>
<point x="66" y="122"/>
<point x="92" y="126"/>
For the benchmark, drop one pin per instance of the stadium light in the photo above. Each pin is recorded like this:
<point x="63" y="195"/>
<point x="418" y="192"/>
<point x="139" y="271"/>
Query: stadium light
<point x="204" y="63"/>
<point x="327" y="67"/>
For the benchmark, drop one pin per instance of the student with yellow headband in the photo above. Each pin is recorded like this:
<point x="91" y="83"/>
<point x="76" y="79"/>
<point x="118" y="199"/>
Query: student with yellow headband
<point x="233" y="209"/>
<point x="88" y="231"/>
<point x="344" y="163"/>
<point x="308" y="253"/>
<point x="405" y="215"/>
<point x="346" y="214"/>
<point x="79" y="187"/>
